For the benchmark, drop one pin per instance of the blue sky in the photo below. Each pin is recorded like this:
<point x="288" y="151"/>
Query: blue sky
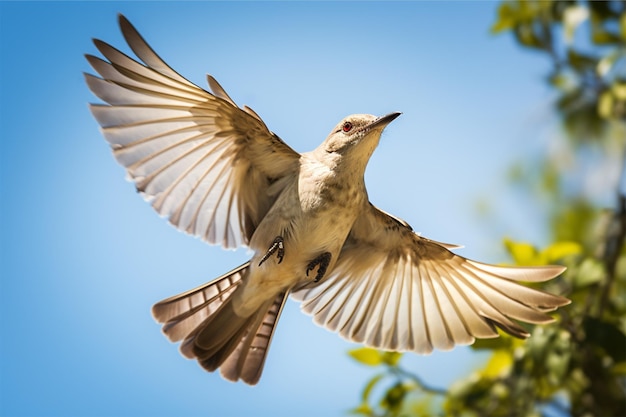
<point x="83" y="258"/>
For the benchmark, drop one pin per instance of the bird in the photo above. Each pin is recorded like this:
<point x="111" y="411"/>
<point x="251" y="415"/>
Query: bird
<point x="217" y="172"/>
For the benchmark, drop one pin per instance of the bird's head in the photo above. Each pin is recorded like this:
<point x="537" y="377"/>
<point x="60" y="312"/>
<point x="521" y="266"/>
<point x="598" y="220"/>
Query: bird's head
<point x="356" y="136"/>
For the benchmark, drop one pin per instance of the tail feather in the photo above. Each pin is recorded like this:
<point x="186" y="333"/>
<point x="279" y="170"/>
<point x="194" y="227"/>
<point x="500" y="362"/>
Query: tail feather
<point x="216" y="337"/>
<point x="240" y="346"/>
<point x="182" y="313"/>
<point x="214" y="334"/>
<point x="247" y="360"/>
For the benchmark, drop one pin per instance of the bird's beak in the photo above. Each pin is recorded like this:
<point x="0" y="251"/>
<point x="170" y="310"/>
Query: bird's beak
<point x="384" y="120"/>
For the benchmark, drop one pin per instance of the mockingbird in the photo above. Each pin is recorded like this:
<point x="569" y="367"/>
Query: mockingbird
<point x="216" y="171"/>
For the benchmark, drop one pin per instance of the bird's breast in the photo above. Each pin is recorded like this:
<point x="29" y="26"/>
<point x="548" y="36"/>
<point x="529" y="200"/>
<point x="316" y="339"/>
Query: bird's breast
<point x="313" y="215"/>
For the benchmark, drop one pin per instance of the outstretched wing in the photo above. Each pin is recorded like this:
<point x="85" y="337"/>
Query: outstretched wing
<point x="212" y="168"/>
<point x="395" y="290"/>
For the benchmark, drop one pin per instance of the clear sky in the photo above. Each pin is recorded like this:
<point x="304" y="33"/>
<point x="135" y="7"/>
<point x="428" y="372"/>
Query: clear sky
<point x="83" y="258"/>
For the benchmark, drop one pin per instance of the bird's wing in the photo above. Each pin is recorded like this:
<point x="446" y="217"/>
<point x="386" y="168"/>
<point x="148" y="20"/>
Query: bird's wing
<point x="395" y="290"/>
<point x="212" y="168"/>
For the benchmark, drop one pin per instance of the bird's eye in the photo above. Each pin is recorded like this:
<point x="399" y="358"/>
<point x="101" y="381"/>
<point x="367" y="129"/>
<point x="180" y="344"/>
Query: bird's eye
<point x="347" y="126"/>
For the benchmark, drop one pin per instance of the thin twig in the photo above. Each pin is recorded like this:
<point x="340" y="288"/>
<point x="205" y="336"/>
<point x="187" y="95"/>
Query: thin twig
<point x="420" y="383"/>
<point x="615" y="235"/>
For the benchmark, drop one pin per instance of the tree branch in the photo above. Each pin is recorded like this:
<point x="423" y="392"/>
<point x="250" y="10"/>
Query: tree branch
<point x="615" y="235"/>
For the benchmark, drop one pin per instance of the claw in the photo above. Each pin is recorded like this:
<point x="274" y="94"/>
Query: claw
<point x="278" y="246"/>
<point x="322" y="261"/>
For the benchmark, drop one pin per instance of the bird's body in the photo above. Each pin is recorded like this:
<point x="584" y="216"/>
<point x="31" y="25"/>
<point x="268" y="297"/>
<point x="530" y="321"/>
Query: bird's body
<point x="216" y="171"/>
<point x="313" y="214"/>
<point x="313" y="217"/>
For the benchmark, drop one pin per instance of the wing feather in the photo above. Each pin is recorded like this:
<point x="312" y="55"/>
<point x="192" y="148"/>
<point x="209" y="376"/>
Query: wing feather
<point x="211" y="168"/>
<point x="394" y="290"/>
<point x="144" y="52"/>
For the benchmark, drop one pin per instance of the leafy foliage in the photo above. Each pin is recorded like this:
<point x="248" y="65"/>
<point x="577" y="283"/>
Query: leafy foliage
<point x="577" y="365"/>
<point x="590" y="79"/>
<point x="404" y="392"/>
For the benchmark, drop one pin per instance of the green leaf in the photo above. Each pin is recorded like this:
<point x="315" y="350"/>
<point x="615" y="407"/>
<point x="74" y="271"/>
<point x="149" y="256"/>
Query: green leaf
<point x="559" y="356"/>
<point x="619" y="90"/>
<point x="422" y="407"/>
<point x="391" y="358"/>
<point x="526" y="36"/>
<point x="605" y="105"/>
<point x="394" y="397"/>
<point x="367" y="356"/>
<point x="498" y="365"/>
<point x="526" y="254"/>
<point x="570" y="99"/>
<point x="573" y="16"/>
<point x="581" y="62"/>
<point x="560" y="250"/>
<point x="522" y="253"/>
<point x="619" y="369"/>
<point x="370" y="386"/>
<point x="506" y="19"/>
<point x="363" y="409"/>
<point x="582" y="121"/>
<point x="561" y="80"/>
<point x="470" y="389"/>
<point x="590" y="271"/>
<point x="577" y="381"/>
<point x="603" y="37"/>
<point x="574" y="221"/>
<point x="607" y="62"/>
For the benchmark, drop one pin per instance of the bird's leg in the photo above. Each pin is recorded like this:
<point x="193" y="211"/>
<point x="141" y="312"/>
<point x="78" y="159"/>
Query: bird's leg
<point x="322" y="261"/>
<point x="278" y="246"/>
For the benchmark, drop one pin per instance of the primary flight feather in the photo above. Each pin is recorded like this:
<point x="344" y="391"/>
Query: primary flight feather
<point x="216" y="171"/>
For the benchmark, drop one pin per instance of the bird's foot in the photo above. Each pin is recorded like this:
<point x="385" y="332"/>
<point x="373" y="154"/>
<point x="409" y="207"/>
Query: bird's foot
<point x="278" y="247"/>
<point x="322" y="263"/>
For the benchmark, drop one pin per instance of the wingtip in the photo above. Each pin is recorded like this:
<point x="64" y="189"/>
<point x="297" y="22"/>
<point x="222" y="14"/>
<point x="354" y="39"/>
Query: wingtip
<point x="125" y="25"/>
<point x="512" y="328"/>
<point x="522" y="273"/>
<point x="122" y="20"/>
<point x="155" y="313"/>
<point x="548" y="272"/>
<point x="99" y="43"/>
<point x="92" y="60"/>
<point x="160" y="312"/>
<point x="218" y="90"/>
<point x="128" y="29"/>
<point x="561" y="301"/>
<point x="234" y="379"/>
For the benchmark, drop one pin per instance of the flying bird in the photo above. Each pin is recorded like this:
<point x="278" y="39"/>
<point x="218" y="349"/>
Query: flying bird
<point x="216" y="171"/>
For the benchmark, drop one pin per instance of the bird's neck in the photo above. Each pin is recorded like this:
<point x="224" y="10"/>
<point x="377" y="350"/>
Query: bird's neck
<point x="333" y="174"/>
<point x="340" y="167"/>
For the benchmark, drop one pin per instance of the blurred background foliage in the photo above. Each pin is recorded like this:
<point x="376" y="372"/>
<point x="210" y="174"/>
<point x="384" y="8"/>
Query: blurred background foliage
<point x="577" y="365"/>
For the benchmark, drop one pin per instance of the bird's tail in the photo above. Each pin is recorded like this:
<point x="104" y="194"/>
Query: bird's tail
<point x="214" y="334"/>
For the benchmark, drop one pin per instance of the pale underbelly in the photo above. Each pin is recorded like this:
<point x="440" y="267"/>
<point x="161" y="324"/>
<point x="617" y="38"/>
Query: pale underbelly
<point x="303" y="241"/>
